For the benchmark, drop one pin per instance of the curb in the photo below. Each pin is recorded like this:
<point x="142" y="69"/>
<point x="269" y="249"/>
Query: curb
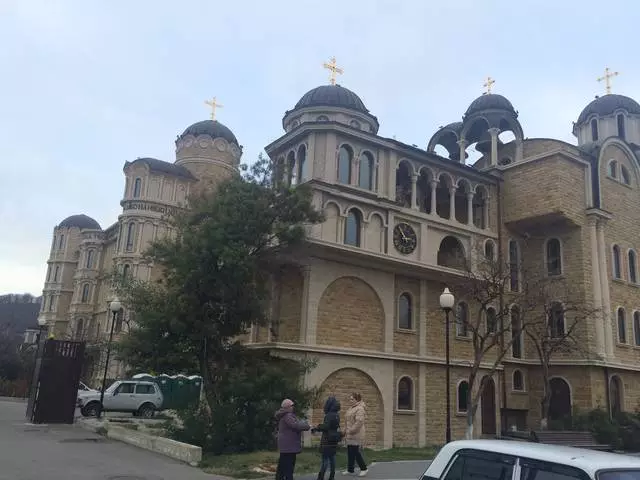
<point x="183" y="452"/>
<point x="13" y="399"/>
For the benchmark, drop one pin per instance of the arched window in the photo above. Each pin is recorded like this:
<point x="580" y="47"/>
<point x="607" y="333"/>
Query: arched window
<point x="405" y="394"/>
<point x="492" y="320"/>
<point x="89" y="259"/>
<point x="48" y="273"/>
<point x="514" y="266"/>
<point x="291" y="169"/>
<point x="594" y="129"/>
<point x="489" y="250"/>
<point x="85" y="293"/>
<point x="621" y="130"/>
<point x="612" y="171"/>
<point x="117" y="328"/>
<point x="617" y="271"/>
<point x="126" y="270"/>
<point x="633" y="266"/>
<point x="53" y="245"/>
<point x="554" y="257"/>
<point x="622" y="326"/>
<point x="624" y="175"/>
<point x="137" y="185"/>
<point x="79" y="329"/>
<point x="518" y="381"/>
<point x="131" y="233"/>
<point x="463" y="389"/>
<point x="344" y="165"/>
<point x="352" y="228"/>
<point x="516" y="333"/>
<point x="56" y="275"/>
<point x="462" y="320"/>
<point x="636" y="328"/>
<point x="61" y="242"/>
<point x="365" y="177"/>
<point x="405" y="312"/>
<point x="556" y="320"/>
<point x="302" y="164"/>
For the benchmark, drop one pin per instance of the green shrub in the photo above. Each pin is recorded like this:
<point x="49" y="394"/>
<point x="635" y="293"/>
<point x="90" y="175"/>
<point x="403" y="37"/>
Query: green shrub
<point x="242" y="413"/>
<point x="621" y="432"/>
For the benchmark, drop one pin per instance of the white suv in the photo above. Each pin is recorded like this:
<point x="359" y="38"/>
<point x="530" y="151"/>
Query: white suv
<point x="510" y="460"/>
<point x="140" y="398"/>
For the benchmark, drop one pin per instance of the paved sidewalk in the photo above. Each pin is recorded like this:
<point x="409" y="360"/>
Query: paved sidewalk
<point x="404" y="470"/>
<point x="67" y="452"/>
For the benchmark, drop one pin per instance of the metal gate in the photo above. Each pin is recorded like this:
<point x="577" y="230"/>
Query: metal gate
<point x="53" y="396"/>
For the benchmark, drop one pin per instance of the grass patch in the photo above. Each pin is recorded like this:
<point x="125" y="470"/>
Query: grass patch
<point x="241" y="465"/>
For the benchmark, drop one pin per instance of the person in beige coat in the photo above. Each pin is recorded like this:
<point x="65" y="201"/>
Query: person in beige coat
<point x="355" y="419"/>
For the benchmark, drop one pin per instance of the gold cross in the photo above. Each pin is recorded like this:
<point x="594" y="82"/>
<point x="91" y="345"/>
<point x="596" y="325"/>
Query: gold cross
<point x="334" y="69"/>
<point x="212" y="103"/>
<point x="488" y="84"/>
<point x="608" y="75"/>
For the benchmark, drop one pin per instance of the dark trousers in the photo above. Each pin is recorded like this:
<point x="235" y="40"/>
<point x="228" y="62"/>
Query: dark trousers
<point x="354" y="455"/>
<point x="286" y="465"/>
<point x="328" y="462"/>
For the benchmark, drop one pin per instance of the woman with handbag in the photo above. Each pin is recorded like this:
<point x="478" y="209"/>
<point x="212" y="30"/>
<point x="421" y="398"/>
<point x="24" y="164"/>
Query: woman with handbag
<point x="355" y="435"/>
<point x="331" y="437"/>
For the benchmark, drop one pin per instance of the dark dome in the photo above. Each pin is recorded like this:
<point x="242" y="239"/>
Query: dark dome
<point x="490" y="101"/>
<point x="332" y="96"/>
<point x="81" y="221"/>
<point x="607" y="104"/>
<point x="213" y="128"/>
<point x="455" y="126"/>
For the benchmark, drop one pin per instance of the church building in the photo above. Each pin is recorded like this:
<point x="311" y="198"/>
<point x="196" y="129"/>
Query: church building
<point x="402" y="223"/>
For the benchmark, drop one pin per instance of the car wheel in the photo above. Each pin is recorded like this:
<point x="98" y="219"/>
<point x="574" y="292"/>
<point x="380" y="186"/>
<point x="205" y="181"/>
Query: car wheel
<point x="90" y="410"/>
<point x="146" y="411"/>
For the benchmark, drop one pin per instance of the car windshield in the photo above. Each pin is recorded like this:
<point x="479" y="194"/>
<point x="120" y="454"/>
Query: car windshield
<point x="620" y="475"/>
<point x="112" y="387"/>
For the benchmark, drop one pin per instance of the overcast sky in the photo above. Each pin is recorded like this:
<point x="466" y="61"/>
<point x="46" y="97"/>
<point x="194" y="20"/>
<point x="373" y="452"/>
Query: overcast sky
<point x="86" y="86"/>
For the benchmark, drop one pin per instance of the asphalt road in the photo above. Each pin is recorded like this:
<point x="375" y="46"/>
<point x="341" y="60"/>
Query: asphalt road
<point x="405" y="470"/>
<point x="67" y="452"/>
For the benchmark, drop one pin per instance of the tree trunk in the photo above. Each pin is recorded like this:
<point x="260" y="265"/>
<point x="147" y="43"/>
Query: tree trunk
<point x="468" y="434"/>
<point x="546" y="397"/>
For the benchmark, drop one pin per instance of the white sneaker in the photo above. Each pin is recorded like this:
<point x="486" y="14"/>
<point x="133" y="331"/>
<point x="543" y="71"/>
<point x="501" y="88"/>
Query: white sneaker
<point x="363" y="473"/>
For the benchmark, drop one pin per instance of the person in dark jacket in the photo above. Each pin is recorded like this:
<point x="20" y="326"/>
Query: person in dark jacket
<point x="331" y="436"/>
<point x="290" y="430"/>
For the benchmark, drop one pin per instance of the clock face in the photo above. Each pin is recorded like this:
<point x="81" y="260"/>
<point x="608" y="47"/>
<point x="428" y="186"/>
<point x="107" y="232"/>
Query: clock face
<point x="404" y="238"/>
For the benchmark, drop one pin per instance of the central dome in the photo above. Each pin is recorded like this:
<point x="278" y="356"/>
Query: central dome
<point x="80" y="221"/>
<point x="332" y="96"/>
<point x="490" y="101"/>
<point x="213" y="128"/>
<point x="607" y="104"/>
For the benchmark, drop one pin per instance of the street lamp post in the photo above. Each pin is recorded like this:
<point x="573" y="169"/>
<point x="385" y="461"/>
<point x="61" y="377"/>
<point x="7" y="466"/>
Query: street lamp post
<point x="114" y="307"/>
<point x="447" y="301"/>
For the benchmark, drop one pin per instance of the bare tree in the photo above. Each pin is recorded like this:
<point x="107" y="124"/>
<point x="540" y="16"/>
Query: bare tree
<point x="556" y="330"/>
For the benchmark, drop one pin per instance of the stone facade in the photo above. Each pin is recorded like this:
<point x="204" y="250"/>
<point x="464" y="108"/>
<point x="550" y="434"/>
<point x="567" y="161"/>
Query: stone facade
<point x="402" y="224"/>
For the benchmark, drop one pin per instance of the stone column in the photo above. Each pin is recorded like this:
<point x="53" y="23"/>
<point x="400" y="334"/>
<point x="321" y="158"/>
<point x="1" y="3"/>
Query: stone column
<point x="494" y="145"/>
<point x="422" y="405"/>
<point x="485" y="212"/>
<point x="470" y="208"/>
<point x="304" y="310"/>
<point x="355" y="171"/>
<point x="597" y="288"/>
<point x="604" y="285"/>
<point x="452" y="202"/>
<point x="422" y="319"/>
<point x="374" y="176"/>
<point x="414" y="191"/>
<point x="434" y="186"/>
<point x="462" y="143"/>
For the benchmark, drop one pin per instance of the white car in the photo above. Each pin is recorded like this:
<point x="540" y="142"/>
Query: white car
<point x="140" y="398"/>
<point x="511" y="460"/>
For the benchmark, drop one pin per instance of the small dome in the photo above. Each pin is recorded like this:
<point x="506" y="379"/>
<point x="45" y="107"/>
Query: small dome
<point x="490" y="101"/>
<point x="332" y="96"/>
<point x="81" y="221"/>
<point x="607" y="104"/>
<point x="213" y="128"/>
<point x="455" y="126"/>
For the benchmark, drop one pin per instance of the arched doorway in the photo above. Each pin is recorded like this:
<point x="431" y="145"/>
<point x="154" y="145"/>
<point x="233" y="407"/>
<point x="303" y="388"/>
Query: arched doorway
<point x="488" y="406"/>
<point x="615" y="395"/>
<point x="560" y="402"/>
